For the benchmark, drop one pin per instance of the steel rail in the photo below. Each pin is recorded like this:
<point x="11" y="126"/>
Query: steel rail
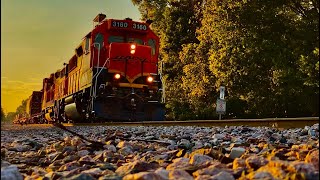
<point x="268" y="122"/>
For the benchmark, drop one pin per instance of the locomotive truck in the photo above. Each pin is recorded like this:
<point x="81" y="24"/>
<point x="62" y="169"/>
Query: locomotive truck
<point x="114" y="75"/>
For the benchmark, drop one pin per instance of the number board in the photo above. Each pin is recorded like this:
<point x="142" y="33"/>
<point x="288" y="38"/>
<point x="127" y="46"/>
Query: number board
<point x="129" y="25"/>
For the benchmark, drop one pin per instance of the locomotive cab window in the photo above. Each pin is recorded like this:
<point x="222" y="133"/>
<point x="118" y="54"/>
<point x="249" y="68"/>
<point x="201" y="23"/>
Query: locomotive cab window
<point x="98" y="40"/>
<point x="152" y="44"/>
<point x="136" y="40"/>
<point x="112" y="39"/>
<point x="79" y="51"/>
<point x="87" y="46"/>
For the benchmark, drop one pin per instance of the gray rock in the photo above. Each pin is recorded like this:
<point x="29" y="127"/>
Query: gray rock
<point x="263" y="175"/>
<point x="172" y="147"/>
<point x="86" y="160"/>
<point x="69" y="166"/>
<point x="93" y="171"/>
<point x="123" y="144"/>
<point x="126" y="151"/>
<point x="222" y="176"/>
<point x="200" y="160"/>
<point x="150" y="138"/>
<point x="10" y="173"/>
<point x="179" y="163"/>
<point x="83" y="153"/>
<point x="51" y="156"/>
<point x="71" y="158"/>
<point x="20" y="147"/>
<point x="4" y="163"/>
<point x="311" y="132"/>
<point x="82" y="176"/>
<point x="133" y="167"/>
<point x="197" y="145"/>
<point x="68" y="149"/>
<point x="215" y="141"/>
<point x="52" y="175"/>
<point x="110" y="147"/>
<point x="163" y="173"/>
<point x="179" y="174"/>
<point x="218" y="136"/>
<point x="256" y="162"/>
<point x="236" y="152"/>
<point x="143" y="176"/>
<point x="106" y="166"/>
<point x="185" y="144"/>
<point x="110" y="177"/>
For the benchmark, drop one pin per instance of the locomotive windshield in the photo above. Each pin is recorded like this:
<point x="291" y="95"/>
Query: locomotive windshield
<point x="115" y="39"/>
<point x="152" y="44"/>
<point x="136" y="40"/>
<point x="112" y="39"/>
<point x="99" y="40"/>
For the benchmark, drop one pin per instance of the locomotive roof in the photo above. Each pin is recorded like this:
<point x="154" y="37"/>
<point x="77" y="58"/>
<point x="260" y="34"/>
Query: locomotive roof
<point x="102" y="22"/>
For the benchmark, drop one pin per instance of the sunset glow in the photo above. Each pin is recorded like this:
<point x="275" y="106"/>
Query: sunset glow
<point x="38" y="36"/>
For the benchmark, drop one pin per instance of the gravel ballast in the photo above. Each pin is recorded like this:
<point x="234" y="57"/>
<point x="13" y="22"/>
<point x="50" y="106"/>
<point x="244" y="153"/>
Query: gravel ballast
<point x="145" y="152"/>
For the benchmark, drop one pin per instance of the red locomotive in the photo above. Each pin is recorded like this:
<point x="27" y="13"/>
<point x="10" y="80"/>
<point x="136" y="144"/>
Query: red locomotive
<point x="113" y="75"/>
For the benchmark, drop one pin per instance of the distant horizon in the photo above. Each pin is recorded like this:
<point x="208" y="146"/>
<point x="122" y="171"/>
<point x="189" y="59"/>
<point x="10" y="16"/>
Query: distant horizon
<point x="37" y="39"/>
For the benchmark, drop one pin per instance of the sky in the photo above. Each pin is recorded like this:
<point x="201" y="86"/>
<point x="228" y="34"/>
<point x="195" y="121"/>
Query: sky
<point x="38" y="36"/>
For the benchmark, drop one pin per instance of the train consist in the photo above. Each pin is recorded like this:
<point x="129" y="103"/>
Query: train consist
<point x="113" y="76"/>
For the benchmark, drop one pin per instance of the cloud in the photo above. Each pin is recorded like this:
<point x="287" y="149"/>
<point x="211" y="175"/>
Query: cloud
<point x="14" y="87"/>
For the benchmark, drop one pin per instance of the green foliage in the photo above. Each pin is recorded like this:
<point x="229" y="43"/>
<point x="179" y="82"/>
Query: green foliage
<point x="3" y="116"/>
<point x="256" y="52"/>
<point x="11" y="116"/>
<point x="265" y="54"/>
<point x="21" y="110"/>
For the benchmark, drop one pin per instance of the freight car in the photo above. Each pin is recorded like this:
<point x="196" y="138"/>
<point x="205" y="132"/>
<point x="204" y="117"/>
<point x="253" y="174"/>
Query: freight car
<point x="33" y="110"/>
<point x="113" y="75"/>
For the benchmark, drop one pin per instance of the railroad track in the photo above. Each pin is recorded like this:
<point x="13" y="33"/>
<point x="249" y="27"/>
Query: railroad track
<point x="269" y="122"/>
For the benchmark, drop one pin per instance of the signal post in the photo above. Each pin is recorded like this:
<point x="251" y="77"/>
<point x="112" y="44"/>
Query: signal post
<point x="221" y="103"/>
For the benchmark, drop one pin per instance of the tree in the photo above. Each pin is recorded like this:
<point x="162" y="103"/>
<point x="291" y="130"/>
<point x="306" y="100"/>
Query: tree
<point x="265" y="54"/>
<point x="176" y="23"/>
<point x="259" y="50"/>
<point x="21" y="110"/>
<point x="3" y="116"/>
<point x="11" y="116"/>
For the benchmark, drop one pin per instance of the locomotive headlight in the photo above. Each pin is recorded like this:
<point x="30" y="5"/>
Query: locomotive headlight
<point x="117" y="76"/>
<point x="150" y="79"/>
<point x="133" y="48"/>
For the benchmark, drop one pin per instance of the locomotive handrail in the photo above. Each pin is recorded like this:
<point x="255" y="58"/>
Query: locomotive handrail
<point x="94" y="56"/>
<point x="92" y="89"/>
<point x="163" y="98"/>
<point x="98" y="73"/>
